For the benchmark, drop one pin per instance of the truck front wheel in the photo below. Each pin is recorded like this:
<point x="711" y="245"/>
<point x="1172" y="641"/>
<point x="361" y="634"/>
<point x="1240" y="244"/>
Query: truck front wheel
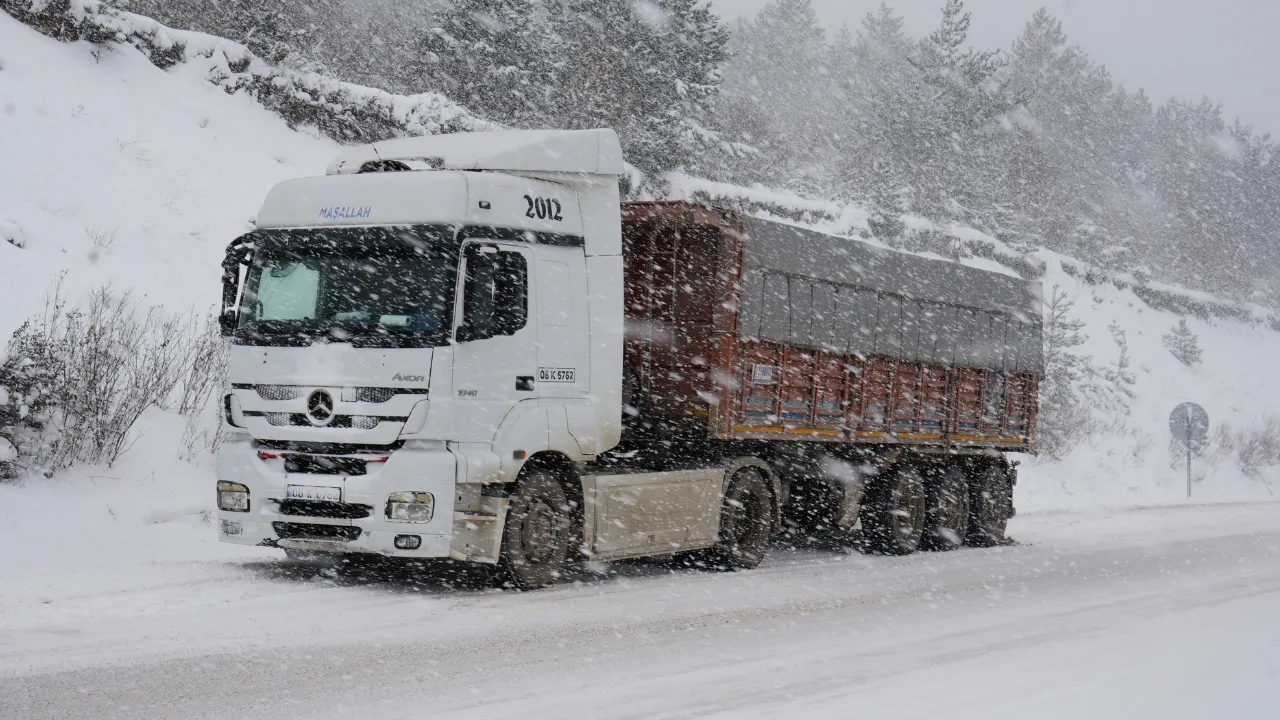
<point x="893" y="520"/>
<point x="745" y="523"/>
<point x="538" y="534"/>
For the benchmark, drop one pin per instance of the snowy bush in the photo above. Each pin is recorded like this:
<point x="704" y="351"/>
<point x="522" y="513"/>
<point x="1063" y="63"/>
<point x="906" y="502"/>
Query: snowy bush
<point x="11" y="232"/>
<point x="1255" y="447"/>
<point x="77" y="379"/>
<point x="26" y="397"/>
<point x="1183" y="344"/>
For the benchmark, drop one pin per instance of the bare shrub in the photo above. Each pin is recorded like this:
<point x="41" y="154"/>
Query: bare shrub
<point x="206" y="369"/>
<point x="102" y="364"/>
<point x="1255" y="447"/>
<point x="206" y="366"/>
<point x="102" y="238"/>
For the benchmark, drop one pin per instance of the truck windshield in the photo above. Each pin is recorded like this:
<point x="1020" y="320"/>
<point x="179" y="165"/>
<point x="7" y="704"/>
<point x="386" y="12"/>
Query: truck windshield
<point x="385" y="287"/>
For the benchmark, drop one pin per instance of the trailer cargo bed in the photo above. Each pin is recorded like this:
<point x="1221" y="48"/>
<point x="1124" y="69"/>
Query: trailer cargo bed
<point x="747" y="329"/>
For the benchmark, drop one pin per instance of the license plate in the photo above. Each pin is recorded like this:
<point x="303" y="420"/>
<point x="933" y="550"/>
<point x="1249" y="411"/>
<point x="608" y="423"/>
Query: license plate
<point x="310" y="492"/>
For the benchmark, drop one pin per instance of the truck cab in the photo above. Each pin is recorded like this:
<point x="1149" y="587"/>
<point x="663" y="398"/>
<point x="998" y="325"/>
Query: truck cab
<point x="413" y="328"/>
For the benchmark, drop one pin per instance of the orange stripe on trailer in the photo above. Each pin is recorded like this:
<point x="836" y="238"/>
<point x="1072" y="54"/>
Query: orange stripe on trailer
<point x="815" y="431"/>
<point x="759" y="428"/>
<point x="987" y="438"/>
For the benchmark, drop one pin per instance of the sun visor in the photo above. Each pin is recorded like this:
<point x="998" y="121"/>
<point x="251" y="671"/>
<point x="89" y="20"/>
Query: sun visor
<point x="369" y="199"/>
<point x="589" y="152"/>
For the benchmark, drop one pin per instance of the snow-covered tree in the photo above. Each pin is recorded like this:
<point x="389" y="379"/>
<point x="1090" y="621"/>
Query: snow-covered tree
<point x="1183" y="343"/>
<point x="648" y="70"/>
<point x="1063" y="415"/>
<point x="1119" y="376"/>
<point x="494" y="56"/>
<point x="275" y="30"/>
<point x="779" y="70"/>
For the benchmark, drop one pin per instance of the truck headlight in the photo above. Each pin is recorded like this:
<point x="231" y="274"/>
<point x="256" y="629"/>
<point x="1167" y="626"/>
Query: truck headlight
<point x="410" y="507"/>
<point x="233" y="497"/>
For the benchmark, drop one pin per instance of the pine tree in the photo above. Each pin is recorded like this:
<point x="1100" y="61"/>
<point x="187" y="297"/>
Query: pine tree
<point x="1118" y="374"/>
<point x="650" y="72"/>
<point x="953" y="114"/>
<point x="1063" y="416"/>
<point x="494" y="56"/>
<point x="1183" y="343"/>
<point x="871" y="161"/>
<point x="779" y="68"/>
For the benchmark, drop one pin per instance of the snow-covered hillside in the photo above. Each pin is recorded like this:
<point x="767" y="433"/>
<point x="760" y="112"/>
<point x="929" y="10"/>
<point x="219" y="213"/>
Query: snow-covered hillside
<point x="117" y="171"/>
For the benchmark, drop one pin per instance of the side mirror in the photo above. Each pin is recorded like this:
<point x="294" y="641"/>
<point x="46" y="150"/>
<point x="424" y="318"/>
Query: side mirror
<point x="239" y="253"/>
<point x="227" y="322"/>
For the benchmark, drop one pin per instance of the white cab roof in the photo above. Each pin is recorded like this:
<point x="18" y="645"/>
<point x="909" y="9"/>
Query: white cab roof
<point x="593" y="152"/>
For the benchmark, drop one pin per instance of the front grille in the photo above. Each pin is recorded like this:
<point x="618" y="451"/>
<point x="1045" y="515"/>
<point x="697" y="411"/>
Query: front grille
<point x="351" y="394"/>
<point x="345" y="422"/>
<point x="325" y="509"/>
<point x="374" y="394"/>
<point x="279" y="392"/>
<point x="322" y="448"/>
<point x="305" y="531"/>
<point x="324" y="465"/>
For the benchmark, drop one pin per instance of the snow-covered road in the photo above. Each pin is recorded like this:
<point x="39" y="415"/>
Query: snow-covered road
<point x="1170" y="613"/>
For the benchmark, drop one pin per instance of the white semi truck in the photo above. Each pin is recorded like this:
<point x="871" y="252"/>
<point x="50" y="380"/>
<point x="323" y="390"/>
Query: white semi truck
<point x="466" y="347"/>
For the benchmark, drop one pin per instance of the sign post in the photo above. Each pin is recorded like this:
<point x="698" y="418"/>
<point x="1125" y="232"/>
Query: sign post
<point x="1189" y="425"/>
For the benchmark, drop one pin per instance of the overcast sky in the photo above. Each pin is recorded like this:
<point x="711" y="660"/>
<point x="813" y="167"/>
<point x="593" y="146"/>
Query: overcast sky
<point x="1226" y="49"/>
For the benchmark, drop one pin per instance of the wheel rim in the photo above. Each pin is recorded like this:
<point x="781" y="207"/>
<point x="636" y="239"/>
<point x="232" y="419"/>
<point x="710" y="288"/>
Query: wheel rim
<point x="539" y="532"/>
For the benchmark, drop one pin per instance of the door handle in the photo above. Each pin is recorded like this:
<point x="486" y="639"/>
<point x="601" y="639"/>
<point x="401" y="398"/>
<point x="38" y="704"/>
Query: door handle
<point x="524" y="383"/>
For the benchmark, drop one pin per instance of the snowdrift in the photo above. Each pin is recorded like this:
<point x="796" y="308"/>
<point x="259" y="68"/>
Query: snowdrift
<point x="118" y="171"/>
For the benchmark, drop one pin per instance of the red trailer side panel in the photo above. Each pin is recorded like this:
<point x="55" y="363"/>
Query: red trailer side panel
<point x="694" y="364"/>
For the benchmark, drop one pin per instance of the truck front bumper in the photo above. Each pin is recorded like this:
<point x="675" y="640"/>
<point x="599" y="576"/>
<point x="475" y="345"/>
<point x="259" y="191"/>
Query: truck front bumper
<point x="272" y="522"/>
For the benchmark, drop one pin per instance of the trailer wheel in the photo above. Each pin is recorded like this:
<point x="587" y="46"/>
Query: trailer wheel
<point x="744" y="523"/>
<point x="989" y="502"/>
<point x="893" y="520"/>
<point x="538" y="534"/>
<point x="946" y="519"/>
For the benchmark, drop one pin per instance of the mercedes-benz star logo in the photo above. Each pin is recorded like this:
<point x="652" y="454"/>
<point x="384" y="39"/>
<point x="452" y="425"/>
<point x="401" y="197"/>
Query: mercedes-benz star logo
<point x="320" y="408"/>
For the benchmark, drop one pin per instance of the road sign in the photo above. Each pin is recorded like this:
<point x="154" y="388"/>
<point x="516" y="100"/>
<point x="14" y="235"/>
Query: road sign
<point x="1189" y="424"/>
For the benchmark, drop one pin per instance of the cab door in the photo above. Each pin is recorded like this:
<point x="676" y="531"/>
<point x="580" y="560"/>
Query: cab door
<point x="564" y="336"/>
<point x="495" y="341"/>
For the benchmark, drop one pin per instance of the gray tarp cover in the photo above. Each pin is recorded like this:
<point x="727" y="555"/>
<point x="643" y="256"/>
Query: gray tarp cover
<point x="809" y="289"/>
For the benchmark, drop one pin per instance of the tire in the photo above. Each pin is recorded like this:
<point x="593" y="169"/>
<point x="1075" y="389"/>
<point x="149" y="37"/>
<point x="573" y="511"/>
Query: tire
<point x="538" y="534"/>
<point x="946" y="521"/>
<point x="745" y="524"/>
<point x="893" y="520"/>
<point x="990" y="497"/>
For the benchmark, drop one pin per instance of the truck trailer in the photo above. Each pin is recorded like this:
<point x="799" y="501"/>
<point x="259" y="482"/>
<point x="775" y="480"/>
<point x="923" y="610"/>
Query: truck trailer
<point x="467" y="347"/>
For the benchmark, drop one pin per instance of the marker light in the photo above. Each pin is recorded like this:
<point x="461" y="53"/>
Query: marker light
<point x="410" y="507"/>
<point x="233" y="497"/>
